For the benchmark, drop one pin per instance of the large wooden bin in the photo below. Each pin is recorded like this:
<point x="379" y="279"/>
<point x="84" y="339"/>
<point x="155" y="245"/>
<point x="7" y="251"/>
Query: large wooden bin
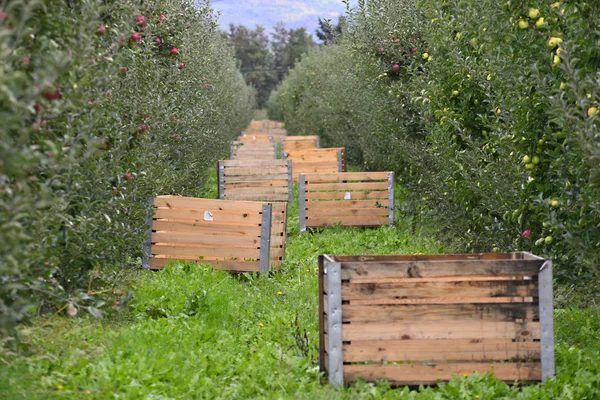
<point x="417" y="320"/>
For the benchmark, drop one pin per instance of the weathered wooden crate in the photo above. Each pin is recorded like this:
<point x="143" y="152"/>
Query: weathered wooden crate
<point x="317" y="160"/>
<point x="295" y="143"/>
<point x="231" y="235"/>
<point x="416" y="320"/>
<point x="269" y="180"/>
<point x="346" y="198"/>
<point x="253" y="150"/>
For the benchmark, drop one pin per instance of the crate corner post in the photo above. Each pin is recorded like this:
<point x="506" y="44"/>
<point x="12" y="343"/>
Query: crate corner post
<point x="221" y="178"/>
<point x="546" y="312"/>
<point x="391" y="199"/>
<point x="265" y="238"/>
<point x="147" y="250"/>
<point x="335" y="365"/>
<point x="302" y="201"/>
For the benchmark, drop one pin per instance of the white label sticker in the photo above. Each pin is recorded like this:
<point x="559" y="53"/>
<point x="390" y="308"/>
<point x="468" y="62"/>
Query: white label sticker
<point x="208" y="216"/>
<point x="347" y="196"/>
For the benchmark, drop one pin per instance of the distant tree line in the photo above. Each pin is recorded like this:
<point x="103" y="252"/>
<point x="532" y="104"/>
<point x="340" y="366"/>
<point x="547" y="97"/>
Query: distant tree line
<point x="264" y="59"/>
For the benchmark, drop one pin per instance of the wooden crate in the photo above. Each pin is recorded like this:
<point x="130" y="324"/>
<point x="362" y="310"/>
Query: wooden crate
<point x="253" y="150"/>
<point x="417" y="320"/>
<point x="252" y="180"/>
<point x="295" y="143"/>
<point x="231" y="235"/>
<point x="317" y="160"/>
<point x="346" y="198"/>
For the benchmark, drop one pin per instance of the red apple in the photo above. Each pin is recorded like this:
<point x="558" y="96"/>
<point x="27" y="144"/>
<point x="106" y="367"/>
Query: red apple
<point x="127" y="176"/>
<point x="25" y="60"/>
<point x="124" y="71"/>
<point x="395" y="67"/>
<point x="157" y="41"/>
<point x="140" y="20"/>
<point x="174" y="51"/>
<point x="142" y="128"/>
<point x="53" y="95"/>
<point x="413" y="50"/>
<point x="180" y="66"/>
<point x="115" y="190"/>
<point x="136" y="37"/>
<point x="101" y="31"/>
<point x="37" y="107"/>
<point x="163" y="17"/>
<point x="381" y="49"/>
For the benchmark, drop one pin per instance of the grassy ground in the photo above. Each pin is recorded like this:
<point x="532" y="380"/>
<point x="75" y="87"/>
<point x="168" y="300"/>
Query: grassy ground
<point x="193" y="332"/>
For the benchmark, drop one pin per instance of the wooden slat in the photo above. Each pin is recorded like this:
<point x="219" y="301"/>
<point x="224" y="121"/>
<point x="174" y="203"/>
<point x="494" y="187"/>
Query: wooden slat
<point x="266" y="171"/>
<point x="256" y="184"/>
<point x="216" y="240"/>
<point x="254" y="164"/>
<point x="446" y="300"/>
<point x="257" y="138"/>
<point x="321" y="222"/>
<point x="258" y="197"/>
<point x="251" y="144"/>
<point x="343" y="213"/>
<point x="455" y="278"/>
<point x="335" y="204"/>
<point x="206" y="204"/>
<point x="254" y="157"/>
<point x="206" y="227"/>
<point x="182" y="214"/>
<point x="258" y="177"/>
<point x="256" y="190"/>
<point x="448" y="290"/>
<point x="347" y="187"/>
<point x="340" y="195"/>
<point x="425" y="269"/>
<point x="441" y="350"/>
<point x="238" y="266"/>
<point x="291" y="139"/>
<point x="441" y="312"/>
<point x="329" y="150"/>
<point x="347" y="176"/>
<point x="434" y="330"/>
<point x="419" y="374"/>
<point x="432" y="257"/>
<point x="206" y="251"/>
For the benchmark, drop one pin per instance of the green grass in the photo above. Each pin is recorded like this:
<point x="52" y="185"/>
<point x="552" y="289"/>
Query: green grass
<point x="194" y="332"/>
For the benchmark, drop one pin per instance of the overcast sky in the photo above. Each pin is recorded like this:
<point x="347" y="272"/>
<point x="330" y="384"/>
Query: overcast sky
<point x="295" y="14"/>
